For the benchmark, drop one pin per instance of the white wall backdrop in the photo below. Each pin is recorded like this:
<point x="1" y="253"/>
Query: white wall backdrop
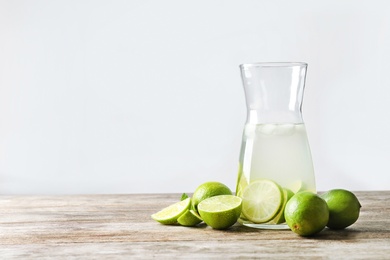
<point x="145" y="96"/>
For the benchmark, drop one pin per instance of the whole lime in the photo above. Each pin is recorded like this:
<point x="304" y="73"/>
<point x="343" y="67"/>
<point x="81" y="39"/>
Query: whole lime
<point x="207" y="190"/>
<point x="344" y="208"/>
<point x="306" y="213"/>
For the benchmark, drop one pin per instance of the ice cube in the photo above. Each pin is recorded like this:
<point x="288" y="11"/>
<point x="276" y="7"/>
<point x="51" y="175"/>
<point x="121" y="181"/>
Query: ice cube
<point x="267" y="129"/>
<point x="284" y="129"/>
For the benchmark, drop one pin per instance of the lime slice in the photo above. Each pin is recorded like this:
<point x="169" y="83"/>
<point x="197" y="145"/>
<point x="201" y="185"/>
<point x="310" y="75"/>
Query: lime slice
<point x="287" y="194"/>
<point x="262" y="200"/>
<point x="296" y="186"/>
<point x="170" y="214"/>
<point x="241" y="182"/>
<point x="220" y="212"/>
<point x="189" y="219"/>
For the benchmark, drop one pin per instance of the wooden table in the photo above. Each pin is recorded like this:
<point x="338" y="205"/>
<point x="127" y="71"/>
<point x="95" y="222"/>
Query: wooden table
<point x="120" y="227"/>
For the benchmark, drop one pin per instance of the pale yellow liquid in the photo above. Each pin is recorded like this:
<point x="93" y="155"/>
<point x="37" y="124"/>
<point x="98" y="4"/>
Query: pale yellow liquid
<point x="279" y="152"/>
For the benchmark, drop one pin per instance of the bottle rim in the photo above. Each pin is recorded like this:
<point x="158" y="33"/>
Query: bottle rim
<point x="273" y="64"/>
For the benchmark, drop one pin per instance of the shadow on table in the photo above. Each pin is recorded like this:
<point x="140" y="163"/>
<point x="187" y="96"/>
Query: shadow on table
<point x="343" y="234"/>
<point x="233" y="229"/>
<point x="326" y="234"/>
<point x="352" y="233"/>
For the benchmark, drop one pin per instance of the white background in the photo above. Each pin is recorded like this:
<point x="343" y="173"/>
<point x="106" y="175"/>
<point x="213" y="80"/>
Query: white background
<point x="145" y="96"/>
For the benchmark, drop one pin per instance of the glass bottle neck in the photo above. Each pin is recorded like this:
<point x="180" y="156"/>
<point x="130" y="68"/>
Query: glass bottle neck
<point x="274" y="92"/>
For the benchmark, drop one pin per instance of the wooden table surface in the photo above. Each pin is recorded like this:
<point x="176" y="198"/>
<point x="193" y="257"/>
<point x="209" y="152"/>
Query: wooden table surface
<point x="120" y="227"/>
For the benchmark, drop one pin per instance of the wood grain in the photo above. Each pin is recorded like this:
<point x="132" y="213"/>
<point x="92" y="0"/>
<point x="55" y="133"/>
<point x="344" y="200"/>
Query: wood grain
<point x="120" y="227"/>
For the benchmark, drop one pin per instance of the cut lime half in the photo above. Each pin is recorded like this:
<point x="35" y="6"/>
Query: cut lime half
<point x="220" y="212"/>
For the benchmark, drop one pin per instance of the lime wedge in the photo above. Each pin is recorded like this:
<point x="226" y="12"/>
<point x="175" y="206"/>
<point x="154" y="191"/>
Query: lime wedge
<point x="262" y="200"/>
<point x="189" y="219"/>
<point x="170" y="214"/>
<point x="220" y="212"/>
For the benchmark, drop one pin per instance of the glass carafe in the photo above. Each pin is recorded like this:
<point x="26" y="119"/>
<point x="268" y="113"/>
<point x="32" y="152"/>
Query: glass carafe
<point x="275" y="159"/>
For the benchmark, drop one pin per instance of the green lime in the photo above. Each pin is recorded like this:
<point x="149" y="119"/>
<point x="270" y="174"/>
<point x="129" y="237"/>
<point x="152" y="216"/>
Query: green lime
<point x="306" y="213"/>
<point x="170" y="214"/>
<point x="280" y="216"/>
<point x="189" y="219"/>
<point x="220" y="212"/>
<point x="262" y="200"/>
<point x="207" y="190"/>
<point x="344" y="208"/>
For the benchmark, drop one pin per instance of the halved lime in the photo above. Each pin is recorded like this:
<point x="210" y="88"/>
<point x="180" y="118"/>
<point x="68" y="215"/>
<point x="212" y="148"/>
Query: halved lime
<point x="262" y="200"/>
<point x="220" y="212"/>
<point x="189" y="219"/>
<point x="207" y="190"/>
<point x="170" y="214"/>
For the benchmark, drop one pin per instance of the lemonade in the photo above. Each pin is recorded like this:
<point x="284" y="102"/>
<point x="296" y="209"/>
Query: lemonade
<point x="277" y="152"/>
